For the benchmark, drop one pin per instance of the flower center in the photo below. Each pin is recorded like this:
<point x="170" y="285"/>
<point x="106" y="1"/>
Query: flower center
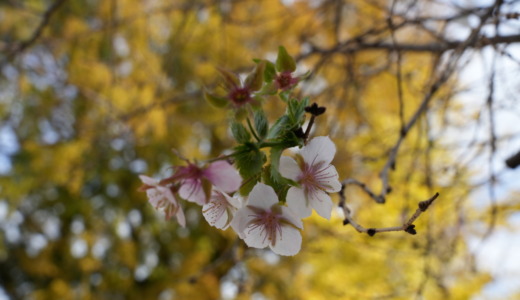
<point x="284" y="80"/>
<point x="269" y="224"/>
<point x="240" y="96"/>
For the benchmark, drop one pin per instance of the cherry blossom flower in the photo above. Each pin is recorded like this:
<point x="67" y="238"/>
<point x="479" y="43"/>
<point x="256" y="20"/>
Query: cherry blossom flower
<point x="264" y="222"/>
<point x="162" y="198"/>
<point x="193" y="178"/>
<point x="316" y="177"/>
<point x="220" y="209"/>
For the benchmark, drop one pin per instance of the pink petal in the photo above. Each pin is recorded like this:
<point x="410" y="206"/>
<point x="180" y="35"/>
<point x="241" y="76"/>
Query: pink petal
<point x="191" y="190"/>
<point x="321" y="203"/>
<point x="262" y="196"/>
<point x="224" y="176"/>
<point x="289" y="168"/>
<point x="319" y="149"/>
<point x="287" y="243"/>
<point x="298" y="203"/>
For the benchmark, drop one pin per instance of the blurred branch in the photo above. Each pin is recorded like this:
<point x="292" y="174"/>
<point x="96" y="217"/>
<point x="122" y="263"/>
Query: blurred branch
<point x="24" y="45"/>
<point x="408" y="226"/>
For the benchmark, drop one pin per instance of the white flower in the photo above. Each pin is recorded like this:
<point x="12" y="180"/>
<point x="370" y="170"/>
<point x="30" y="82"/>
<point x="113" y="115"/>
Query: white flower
<point x="263" y="222"/>
<point x="220" y="209"/>
<point x="162" y="198"/>
<point x="316" y="176"/>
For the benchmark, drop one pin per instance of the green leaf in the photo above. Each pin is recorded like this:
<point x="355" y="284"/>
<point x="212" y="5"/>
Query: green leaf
<point x="230" y="78"/>
<point x="275" y="154"/>
<point x="248" y="185"/>
<point x="270" y="71"/>
<point x="240" y="133"/>
<point x="280" y="126"/>
<point x="261" y="124"/>
<point x="296" y="110"/>
<point x="284" y="62"/>
<point x="284" y="95"/>
<point x="255" y="79"/>
<point x="215" y="100"/>
<point x="249" y="160"/>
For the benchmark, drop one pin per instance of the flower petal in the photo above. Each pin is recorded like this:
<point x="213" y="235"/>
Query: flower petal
<point x="216" y="211"/>
<point x="239" y="221"/>
<point x="322" y="203"/>
<point x="329" y="179"/>
<point x="291" y="218"/>
<point x="319" y="149"/>
<point x="180" y="217"/>
<point x="287" y="243"/>
<point x="289" y="168"/>
<point x="191" y="190"/>
<point x="148" y="180"/>
<point x="297" y="202"/>
<point x="224" y="176"/>
<point x="262" y="196"/>
<point x="256" y="236"/>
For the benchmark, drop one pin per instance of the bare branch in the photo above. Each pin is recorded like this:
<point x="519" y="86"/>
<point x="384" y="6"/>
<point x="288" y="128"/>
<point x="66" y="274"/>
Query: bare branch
<point x="408" y="226"/>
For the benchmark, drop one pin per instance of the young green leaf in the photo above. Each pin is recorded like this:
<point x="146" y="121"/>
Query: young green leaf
<point x="270" y="72"/>
<point x="215" y="100"/>
<point x="284" y="62"/>
<point x="261" y="124"/>
<point x="240" y="133"/>
<point x="255" y="79"/>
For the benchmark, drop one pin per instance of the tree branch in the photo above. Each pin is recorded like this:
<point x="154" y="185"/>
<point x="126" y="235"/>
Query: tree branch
<point x="24" y="45"/>
<point x="408" y="226"/>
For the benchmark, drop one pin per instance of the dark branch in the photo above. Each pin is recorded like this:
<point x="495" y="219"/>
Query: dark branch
<point x="24" y="45"/>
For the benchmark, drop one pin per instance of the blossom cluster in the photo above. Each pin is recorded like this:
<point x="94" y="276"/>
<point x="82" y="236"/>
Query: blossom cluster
<point x="263" y="200"/>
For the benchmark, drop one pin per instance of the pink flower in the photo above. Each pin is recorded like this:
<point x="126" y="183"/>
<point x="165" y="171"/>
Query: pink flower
<point x="193" y="178"/>
<point x="162" y="198"/>
<point x="220" y="209"/>
<point x="264" y="222"/>
<point x="316" y="177"/>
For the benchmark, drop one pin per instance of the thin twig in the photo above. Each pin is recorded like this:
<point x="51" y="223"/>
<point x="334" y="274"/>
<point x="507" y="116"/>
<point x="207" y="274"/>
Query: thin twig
<point x="408" y="226"/>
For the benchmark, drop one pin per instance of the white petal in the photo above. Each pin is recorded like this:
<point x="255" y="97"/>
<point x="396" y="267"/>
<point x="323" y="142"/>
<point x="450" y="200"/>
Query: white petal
<point x="262" y="196"/>
<point x="322" y="204"/>
<point x="166" y="192"/>
<point x="298" y="203"/>
<point x="289" y="168"/>
<point x="287" y="243"/>
<point x="224" y="176"/>
<point x="192" y="191"/>
<point x="319" y="149"/>
<point x="180" y="217"/>
<point x="290" y="217"/>
<point x="222" y="222"/>
<point x="148" y="180"/>
<point x="154" y="197"/>
<point x="256" y="237"/>
<point x="329" y="179"/>
<point x="239" y="221"/>
<point x="214" y="212"/>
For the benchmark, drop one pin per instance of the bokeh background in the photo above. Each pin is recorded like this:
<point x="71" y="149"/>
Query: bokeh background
<point x="94" y="93"/>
